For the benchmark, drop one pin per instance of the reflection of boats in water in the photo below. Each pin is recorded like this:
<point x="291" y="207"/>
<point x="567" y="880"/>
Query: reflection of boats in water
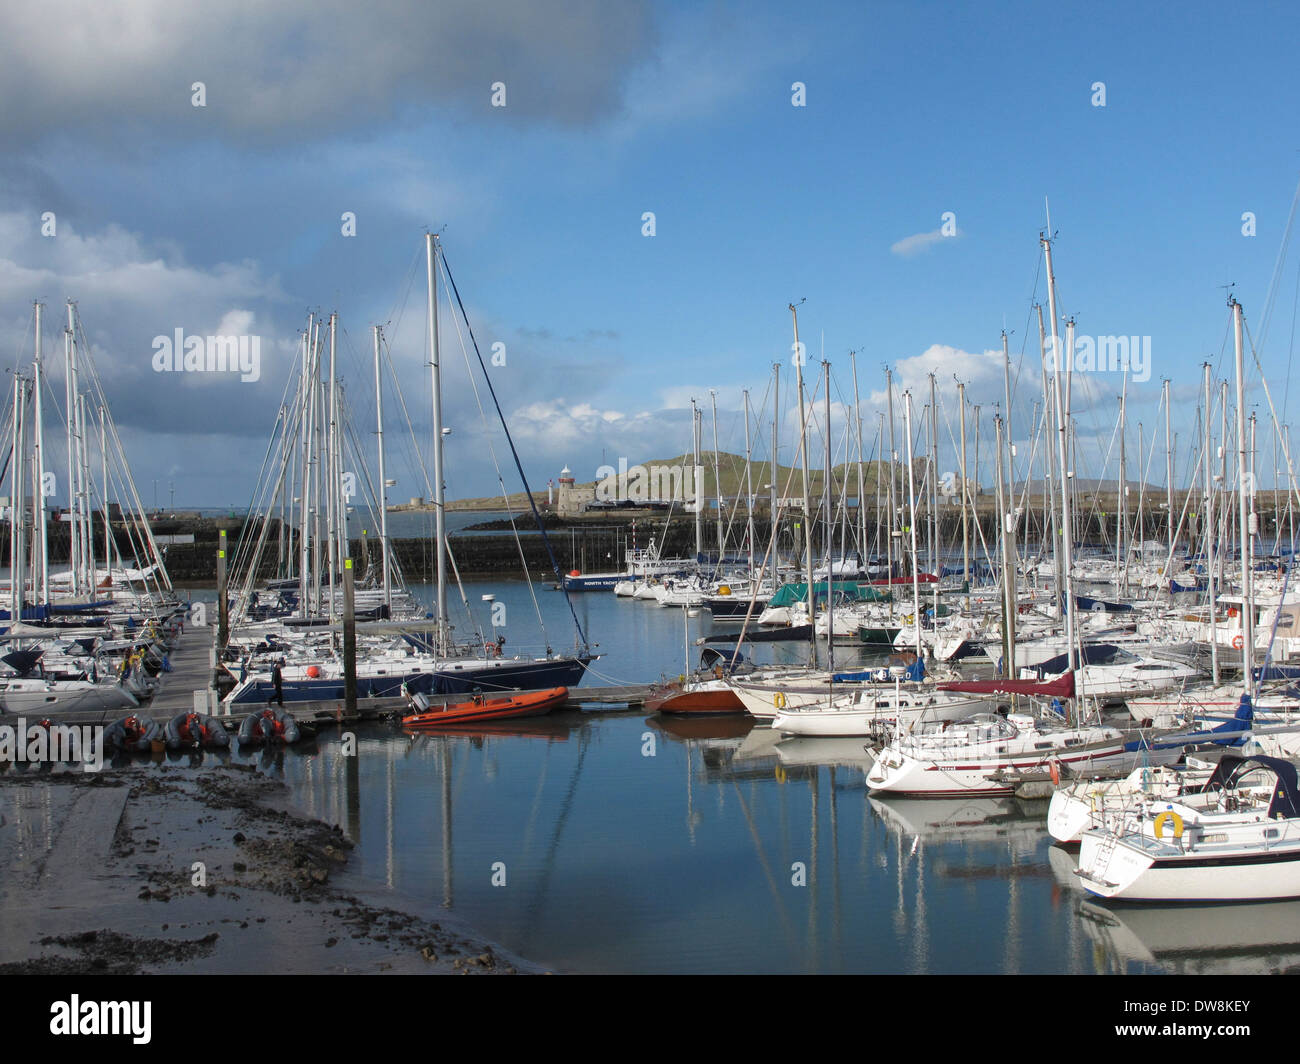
<point x="800" y="750"/>
<point x="759" y="744"/>
<point x="1255" y="939"/>
<point x="703" y="727"/>
<point x="1063" y="863"/>
<point x="963" y="819"/>
<point x="553" y="728"/>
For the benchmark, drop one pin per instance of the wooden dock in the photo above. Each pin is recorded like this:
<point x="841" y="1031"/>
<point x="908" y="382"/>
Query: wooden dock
<point x="191" y="673"/>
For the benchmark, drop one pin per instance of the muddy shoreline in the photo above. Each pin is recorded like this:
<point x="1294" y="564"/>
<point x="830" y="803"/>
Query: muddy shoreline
<point x="180" y="870"/>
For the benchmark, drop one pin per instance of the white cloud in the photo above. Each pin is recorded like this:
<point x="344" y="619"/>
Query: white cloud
<point x="911" y="246"/>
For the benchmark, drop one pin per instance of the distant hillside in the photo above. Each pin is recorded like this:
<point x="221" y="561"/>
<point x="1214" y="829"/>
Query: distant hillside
<point x="731" y="468"/>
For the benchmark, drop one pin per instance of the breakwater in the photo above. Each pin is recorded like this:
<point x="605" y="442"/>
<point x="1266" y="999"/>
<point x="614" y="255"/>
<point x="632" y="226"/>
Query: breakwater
<point x="599" y="542"/>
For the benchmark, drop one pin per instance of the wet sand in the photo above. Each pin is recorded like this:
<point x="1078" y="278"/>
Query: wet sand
<point x="179" y="870"/>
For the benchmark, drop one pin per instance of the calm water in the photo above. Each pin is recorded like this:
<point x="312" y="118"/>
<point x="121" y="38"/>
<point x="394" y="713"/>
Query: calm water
<point x="620" y="843"/>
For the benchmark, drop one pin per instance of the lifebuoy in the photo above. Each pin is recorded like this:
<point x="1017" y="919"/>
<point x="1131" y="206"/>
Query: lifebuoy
<point x="779" y="700"/>
<point x="1170" y="815"/>
<point x="1237" y="642"/>
<point x="491" y="649"/>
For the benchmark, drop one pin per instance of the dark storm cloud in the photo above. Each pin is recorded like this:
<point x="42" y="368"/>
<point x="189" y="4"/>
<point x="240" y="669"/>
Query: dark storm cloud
<point x="305" y="70"/>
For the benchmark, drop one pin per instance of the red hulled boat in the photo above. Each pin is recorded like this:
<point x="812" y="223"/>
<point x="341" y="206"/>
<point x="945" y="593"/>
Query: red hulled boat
<point x="481" y="710"/>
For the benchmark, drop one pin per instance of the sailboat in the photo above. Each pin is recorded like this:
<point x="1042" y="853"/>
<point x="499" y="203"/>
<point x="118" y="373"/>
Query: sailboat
<point x="1237" y="838"/>
<point x="401" y="655"/>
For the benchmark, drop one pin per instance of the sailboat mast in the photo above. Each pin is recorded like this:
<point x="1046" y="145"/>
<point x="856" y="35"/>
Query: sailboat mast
<point x="18" y="504"/>
<point x="332" y="476"/>
<point x="41" y="542"/>
<point x="696" y="470"/>
<point x="383" y="482"/>
<point x="70" y="406"/>
<point x="439" y="497"/>
<point x="1063" y="360"/>
<point x="911" y="520"/>
<point x="717" y="474"/>
<point x="83" y="477"/>
<point x="318" y="414"/>
<point x="1207" y="525"/>
<point x="830" y="533"/>
<point x="103" y="469"/>
<point x="749" y="491"/>
<point x="1006" y="514"/>
<point x="807" y="505"/>
<point x="1245" y="517"/>
<point x="304" y="491"/>
<point x="965" y="520"/>
<point x="1006" y="417"/>
<point x="857" y="421"/>
<point x="1121" y="554"/>
<point x="893" y="509"/>
<point x="1169" y="472"/>
<point x="776" y="440"/>
<point x="934" y="481"/>
<point x="1052" y="362"/>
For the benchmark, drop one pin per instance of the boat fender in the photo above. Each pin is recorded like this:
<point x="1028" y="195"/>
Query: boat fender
<point x="1174" y="818"/>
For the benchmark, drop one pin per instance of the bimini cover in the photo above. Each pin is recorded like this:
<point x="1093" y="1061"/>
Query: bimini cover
<point x="1092" y="654"/>
<point x="23" y="662"/>
<point x="710" y="657"/>
<point x="1285" y="803"/>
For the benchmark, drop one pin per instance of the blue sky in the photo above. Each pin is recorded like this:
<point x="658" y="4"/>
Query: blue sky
<point x="207" y="219"/>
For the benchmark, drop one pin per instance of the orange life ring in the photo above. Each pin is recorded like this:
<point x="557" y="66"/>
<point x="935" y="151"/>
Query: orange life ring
<point x="1237" y="642"/>
<point x="491" y="649"/>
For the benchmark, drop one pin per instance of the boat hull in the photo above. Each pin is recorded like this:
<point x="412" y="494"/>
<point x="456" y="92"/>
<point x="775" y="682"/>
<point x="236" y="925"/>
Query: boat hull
<point x="451" y="678"/>
<point x="709" y="699"/>
<point x="528" y="704"/>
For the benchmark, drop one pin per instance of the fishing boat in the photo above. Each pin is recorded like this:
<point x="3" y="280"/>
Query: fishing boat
<point x="480" y="710"/>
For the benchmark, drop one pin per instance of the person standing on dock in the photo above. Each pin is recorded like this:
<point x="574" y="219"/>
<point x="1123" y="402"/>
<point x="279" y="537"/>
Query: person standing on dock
<point x="278" y="680"/>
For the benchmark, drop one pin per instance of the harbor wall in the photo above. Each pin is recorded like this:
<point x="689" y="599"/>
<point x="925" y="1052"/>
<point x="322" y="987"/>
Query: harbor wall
<point x="598" y="542"/>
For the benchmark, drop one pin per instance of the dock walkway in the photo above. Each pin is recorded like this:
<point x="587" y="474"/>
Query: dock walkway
<point x="191" y="672"/>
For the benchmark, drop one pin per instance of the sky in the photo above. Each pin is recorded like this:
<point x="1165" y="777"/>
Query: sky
<point x="229" y="169"/>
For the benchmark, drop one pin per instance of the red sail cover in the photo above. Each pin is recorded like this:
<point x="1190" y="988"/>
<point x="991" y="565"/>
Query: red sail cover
<point x="1061" y="687"/>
